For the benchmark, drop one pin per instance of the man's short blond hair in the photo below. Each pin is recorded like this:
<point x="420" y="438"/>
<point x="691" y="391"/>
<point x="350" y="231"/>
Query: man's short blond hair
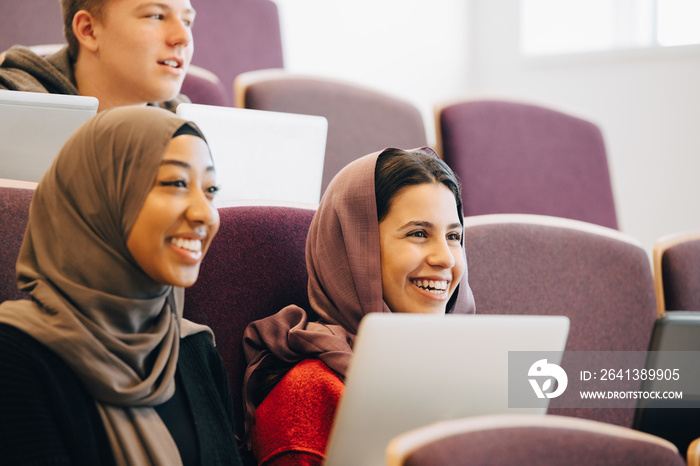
<point x="69" y="8"/>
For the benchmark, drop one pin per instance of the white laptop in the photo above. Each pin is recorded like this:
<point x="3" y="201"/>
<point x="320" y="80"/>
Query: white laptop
<point x="263" y="157"/>
<point x="33" y="128"/>
<point x="411" y="370"/>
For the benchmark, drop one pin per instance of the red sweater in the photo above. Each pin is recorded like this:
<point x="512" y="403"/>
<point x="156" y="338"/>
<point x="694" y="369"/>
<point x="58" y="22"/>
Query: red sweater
<point x="293" y="423"/>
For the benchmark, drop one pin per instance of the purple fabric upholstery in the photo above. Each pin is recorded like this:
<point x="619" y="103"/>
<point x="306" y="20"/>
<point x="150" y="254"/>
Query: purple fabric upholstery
<point x="681" y="276"/>
<point x="518" y="158"/>
<point x="536" y="446"/>
<point x="604" y="285"/>
<point x="30" y="22"/>
<point x="360" y="120"/>
<point x="14" y="214"/>
<point x="256" y="266"/>
<point x="234" y="36"/>
<point x="204" y="91"/>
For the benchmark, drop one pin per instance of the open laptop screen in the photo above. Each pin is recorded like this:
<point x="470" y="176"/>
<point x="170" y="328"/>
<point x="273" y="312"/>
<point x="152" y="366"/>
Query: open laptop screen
<point x="34" y="128"/>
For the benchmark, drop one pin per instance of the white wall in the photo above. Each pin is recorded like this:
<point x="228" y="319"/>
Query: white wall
<point x="647" y="105"/>
<point x="412" y="49"/>
<point x="427" y="51"/>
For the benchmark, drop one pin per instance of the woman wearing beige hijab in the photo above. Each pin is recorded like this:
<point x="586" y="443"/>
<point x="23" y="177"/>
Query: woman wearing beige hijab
<point x="99" y="367"/>
<point x="387" y="237"/>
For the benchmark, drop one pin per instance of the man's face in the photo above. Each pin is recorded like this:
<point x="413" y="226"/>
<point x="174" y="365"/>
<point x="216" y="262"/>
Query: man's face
<point x="144" y="49"/>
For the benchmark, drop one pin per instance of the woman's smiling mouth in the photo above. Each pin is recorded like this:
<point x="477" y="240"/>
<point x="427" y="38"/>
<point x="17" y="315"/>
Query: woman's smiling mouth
<point x="433" y="286"/>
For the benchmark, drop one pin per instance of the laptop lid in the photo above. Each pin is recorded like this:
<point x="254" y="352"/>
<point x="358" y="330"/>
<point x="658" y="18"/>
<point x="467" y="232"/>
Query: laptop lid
<point x="262" y="157"/>
<point x="410" y="370"/>
<point x="34" y="128"/>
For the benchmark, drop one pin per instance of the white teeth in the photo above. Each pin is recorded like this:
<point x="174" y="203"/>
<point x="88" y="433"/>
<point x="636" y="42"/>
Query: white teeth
<point x="434" y="286"/>
<point x="172" y="63"/>
<point x="193" y="245"/>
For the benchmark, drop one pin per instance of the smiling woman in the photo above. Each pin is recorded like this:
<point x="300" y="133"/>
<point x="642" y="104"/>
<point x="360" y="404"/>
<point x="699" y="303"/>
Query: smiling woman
<point x="177" y="221"/>
<point x="99" y="367"/>
<point x="387" y="237"/>
<point x="419" y="206"/>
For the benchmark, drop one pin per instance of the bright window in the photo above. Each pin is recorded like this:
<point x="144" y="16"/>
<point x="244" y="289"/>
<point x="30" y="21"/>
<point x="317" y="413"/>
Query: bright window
<point x="550" y="27"/>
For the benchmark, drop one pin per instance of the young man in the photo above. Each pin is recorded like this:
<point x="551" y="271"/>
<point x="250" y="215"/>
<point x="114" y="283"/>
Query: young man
<point x="123" y="52"/>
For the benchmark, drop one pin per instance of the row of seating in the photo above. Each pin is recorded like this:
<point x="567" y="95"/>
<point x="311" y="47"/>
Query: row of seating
<point x="511" y="157"/>
<point x="518" y="264"/>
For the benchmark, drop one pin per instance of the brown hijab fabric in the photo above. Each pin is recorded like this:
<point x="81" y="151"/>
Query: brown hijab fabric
<point x="116" y="328"/>
<point x="345" y="282"/>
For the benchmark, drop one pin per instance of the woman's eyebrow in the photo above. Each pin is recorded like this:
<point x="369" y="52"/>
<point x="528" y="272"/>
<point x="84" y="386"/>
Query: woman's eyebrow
<point x="180" y="163"/>
<point x="427" y="224"/>
<point x="417" y="223"/>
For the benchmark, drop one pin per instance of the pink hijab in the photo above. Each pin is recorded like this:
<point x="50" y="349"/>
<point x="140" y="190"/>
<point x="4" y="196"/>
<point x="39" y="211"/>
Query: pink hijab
<point x="345" y="284"/>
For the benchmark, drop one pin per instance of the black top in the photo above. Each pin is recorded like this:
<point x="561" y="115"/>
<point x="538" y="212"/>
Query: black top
<point x="48" y="418"/>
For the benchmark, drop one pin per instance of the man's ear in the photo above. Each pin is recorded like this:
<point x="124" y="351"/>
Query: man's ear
<point x="84" y="29"/>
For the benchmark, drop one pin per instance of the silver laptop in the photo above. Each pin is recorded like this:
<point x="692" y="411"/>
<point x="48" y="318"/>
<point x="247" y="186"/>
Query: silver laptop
<point x="33" y="128"/>
<point x="263" y="157"/>
<point x="411" y="370"/>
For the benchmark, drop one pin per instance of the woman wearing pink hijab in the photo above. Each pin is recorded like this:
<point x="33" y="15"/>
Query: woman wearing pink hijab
<point x="387" y="237"/>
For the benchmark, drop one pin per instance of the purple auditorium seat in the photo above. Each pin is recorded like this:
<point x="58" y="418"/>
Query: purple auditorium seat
<point x="360" y="120"/>
<point x="14" y="214"/>
<point x="677" y="272"/>
<point x="30" y="22"/>
<point x="204" y="87"/>
<point x="521" y="158"/>
<point x="598" y="277"/>
<point x="235" y="36"/>
<point x="256" y="266"/>
<point x="529" y="440"/>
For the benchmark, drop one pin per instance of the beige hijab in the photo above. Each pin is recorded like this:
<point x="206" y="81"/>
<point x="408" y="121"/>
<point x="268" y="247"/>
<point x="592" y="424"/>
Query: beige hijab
<point x="345" y="284"/>
<point x="116" y="328"/>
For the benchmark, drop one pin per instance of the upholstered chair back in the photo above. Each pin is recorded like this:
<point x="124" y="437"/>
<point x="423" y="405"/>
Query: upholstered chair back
<point x="677" y="272"/>
<point x="598" y="277"/>
<point x="14" y="214"/>
<point x="522" y="158"/>
<point x="255" y="266"/>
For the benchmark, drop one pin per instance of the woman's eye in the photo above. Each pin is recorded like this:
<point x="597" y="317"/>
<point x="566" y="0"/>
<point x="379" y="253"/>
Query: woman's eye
<point x="418" y="234"/>
<point x="174" y="184"/>
<point x="211" y="191"/>
<point x="454" y="237"/>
